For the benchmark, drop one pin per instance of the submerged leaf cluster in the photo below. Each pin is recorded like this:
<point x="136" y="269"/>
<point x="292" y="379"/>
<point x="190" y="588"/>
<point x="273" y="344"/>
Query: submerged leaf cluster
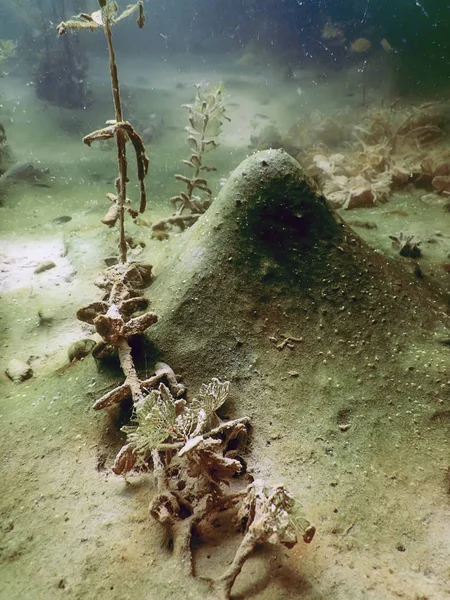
<point x="7" y="49"/>
<point x="160" y="418"/>
<point x="105" y="17"/>
<point x="206" y="117"/>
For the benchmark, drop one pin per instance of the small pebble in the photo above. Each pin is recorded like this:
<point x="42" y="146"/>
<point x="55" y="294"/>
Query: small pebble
<point x="18" y="370"/>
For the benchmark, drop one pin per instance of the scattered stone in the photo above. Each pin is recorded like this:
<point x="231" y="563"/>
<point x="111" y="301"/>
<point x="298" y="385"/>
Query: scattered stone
<point x="80" y="349"/>
<point x="18" y="370"/>
<point x="360" y="197"/>
<point x="45" y="266"/>
<point x="132" y="243"/>
<point x="111" y="260"/>
<point x="45" y="318"/>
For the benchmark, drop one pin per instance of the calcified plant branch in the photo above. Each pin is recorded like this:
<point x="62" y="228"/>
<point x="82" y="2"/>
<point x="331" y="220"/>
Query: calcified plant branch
<point x="198" y="469"/>
<point x="269" y="515"/>
<point x="116" y="320"/>
<point x="118" y="128"/>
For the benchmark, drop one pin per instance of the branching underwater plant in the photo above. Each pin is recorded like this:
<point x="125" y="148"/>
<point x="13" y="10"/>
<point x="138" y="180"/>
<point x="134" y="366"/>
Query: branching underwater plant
<point x="196" y="458"/>
<point x="122" y="130"/>
<point x="205" y="116"/>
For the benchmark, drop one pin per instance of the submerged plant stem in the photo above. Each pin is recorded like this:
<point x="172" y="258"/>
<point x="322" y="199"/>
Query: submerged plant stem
<point x="127" y="364"/>
<point x="121" y="182"/>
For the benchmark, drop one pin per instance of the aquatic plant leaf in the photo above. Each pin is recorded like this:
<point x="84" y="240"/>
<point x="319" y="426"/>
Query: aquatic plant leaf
<point x="182" y="178"/>
<point x="186" y="423"/>
<point x="189" y="164"/>
<point x="196" y="160"/>
<point x="141" y="16"/>
<point x="209" y="145"/>
<point x="193" y="132"/>
<point x="96" y="17"/>
<point x="204" y="188"/>
<point x="129" y="11"/>
<point x="211" y="396"/>
<point x="147" y="434"/>
<point x="198" y="121"/>
<point x="193" y="143"/>
<point x="75" y="24"/>
<point x="109" y="13"/>
<point x="164" y="412"/>
<point x="213" y="127"/>
<point x="7" y="49"/>
<point x="157" y="422"/>
<point x="200" y="181"/>
<point x="176" y="199"/>
<point x="101" y="134"/>
<point x="141" y="160"/>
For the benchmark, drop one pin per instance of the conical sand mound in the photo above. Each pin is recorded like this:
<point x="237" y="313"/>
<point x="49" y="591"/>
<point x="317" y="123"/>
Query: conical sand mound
<point x="337" y="356"/>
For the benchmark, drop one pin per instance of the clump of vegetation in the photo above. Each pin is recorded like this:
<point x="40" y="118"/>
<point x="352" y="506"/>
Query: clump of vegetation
<point x="117" y="128"/>
<point x="7" y="50"/>
<point x="391" y="149"/>
<point x="200" y="473"/>
<point x="206" y="117"/>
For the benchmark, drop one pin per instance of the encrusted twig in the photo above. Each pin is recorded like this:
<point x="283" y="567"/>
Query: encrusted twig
<point x="180" y="220"/>
<point x="287" y="341"/>
<point x="266" y="516"/>
<point x="122" y="392"/>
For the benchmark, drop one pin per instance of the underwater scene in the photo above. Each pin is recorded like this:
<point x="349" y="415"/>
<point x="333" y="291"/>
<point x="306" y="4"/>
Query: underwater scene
<point x="225" y="299"/>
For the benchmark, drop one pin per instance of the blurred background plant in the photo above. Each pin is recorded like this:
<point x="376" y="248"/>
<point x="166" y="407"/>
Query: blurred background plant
<point x="58" y="71"/>
<point x="7" y="50"/>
